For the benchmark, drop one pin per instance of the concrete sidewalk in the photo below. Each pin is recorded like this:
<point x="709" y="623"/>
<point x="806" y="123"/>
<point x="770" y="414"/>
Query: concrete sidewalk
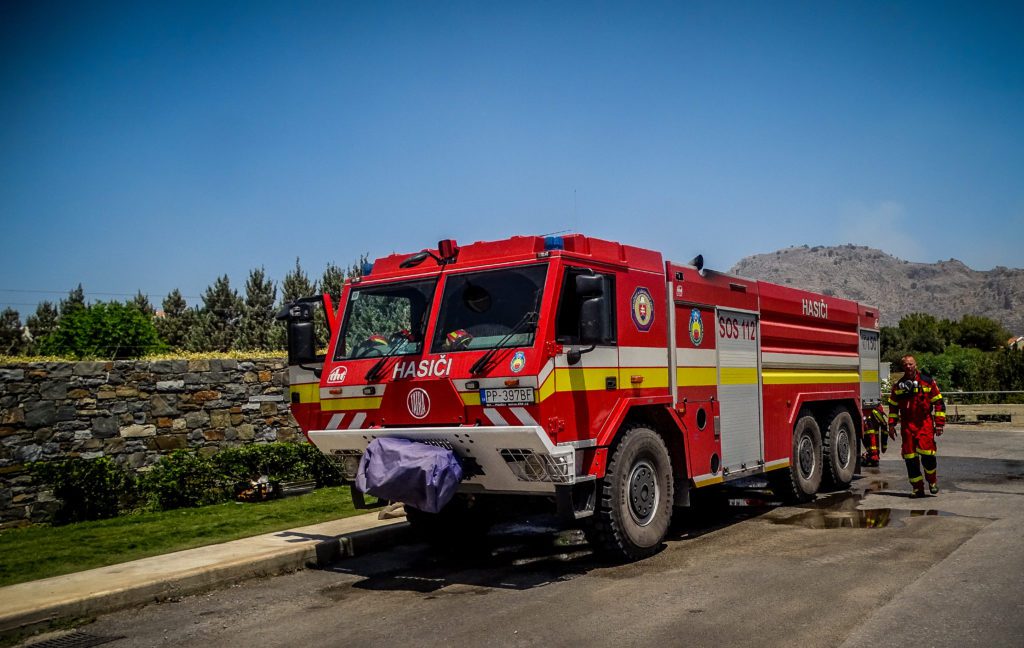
<point x="102" y="590"/>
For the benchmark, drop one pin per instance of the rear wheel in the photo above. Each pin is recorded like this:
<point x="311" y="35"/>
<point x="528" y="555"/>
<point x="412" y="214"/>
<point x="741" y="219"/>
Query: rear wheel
<point x="635" y="505"/>
<point x="803" y="479"/>
<point x="840" y="450"/>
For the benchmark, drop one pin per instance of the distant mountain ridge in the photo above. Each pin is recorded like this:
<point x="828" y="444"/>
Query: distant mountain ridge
<point x="947" y="289"/>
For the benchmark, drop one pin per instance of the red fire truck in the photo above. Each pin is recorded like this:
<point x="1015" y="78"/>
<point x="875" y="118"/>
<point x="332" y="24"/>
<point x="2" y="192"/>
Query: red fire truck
<point x="590" y="374"/>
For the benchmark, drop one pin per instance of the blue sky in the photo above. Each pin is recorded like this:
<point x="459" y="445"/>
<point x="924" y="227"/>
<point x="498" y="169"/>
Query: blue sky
<point x="158" y="145"/>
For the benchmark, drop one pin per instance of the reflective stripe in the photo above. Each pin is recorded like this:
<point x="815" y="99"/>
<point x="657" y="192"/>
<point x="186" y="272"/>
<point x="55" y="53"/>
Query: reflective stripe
<point x="930" y="453"/>
<point x="910" y="456"/>
<point x="930" y="472"/>
<point x="940" y="414"/>
<point x="891" y="402"/>
<point x="936" y="397"/>
<point x="797" y="377"/>
<point x="914" y="480"/>
<point x="926" y="389"/>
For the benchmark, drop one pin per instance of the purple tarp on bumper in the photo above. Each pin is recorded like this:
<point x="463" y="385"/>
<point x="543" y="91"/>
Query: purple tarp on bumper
<point x="417" y="474"/>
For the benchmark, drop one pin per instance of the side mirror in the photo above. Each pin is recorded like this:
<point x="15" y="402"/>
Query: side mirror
<point x="588" y="286"/>
<point x="301" y="333"/>
<point x="591" y="316"/>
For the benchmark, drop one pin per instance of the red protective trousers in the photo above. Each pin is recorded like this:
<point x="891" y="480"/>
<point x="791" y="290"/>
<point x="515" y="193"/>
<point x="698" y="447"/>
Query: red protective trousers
<point x="911" y="403"/>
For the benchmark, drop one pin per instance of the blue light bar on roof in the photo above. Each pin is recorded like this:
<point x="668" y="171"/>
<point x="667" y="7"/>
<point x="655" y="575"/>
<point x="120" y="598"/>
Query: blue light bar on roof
<point x="554" y="243"/>
<point x="367" y="268"/>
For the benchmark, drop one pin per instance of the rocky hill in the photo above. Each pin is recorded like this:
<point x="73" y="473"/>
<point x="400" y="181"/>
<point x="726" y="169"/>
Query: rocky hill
<point x="947" y="289"/>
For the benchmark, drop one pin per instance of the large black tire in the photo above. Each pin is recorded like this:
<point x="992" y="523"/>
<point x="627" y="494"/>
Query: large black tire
<point x="463" y="523"/>
<point x="635" y="501"/>
<point x="840" y="449"/>
<point x="803" y="478"/>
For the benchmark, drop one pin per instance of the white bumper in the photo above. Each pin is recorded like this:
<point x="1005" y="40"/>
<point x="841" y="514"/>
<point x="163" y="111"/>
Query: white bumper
<point x="500" y="459"/>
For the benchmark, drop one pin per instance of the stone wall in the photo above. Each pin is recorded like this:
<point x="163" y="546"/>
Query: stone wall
<point x="131" y="411"/>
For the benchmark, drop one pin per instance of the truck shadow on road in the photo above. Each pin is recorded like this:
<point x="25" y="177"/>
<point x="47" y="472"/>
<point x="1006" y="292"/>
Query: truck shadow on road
<point x="523" y="554"/>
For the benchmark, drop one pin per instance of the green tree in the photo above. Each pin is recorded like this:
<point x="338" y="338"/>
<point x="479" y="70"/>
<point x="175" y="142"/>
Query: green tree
<point x="141" y="302"/>
<point x="297" y="284"/>
<point x="979" y="332"/>
<point x="42" y="323"/>
<point x="10" y="332"/>
<point x="923" y="333"/>
<point x="177" y="321"/>
<point x="258" y="312"/>
<point x="218" y="320"/>
<point x="75" y="301"/>
<point x="103" y="330"/>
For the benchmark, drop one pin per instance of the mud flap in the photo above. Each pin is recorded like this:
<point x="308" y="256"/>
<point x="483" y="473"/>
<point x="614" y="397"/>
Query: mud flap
<point x="576" y="501"/>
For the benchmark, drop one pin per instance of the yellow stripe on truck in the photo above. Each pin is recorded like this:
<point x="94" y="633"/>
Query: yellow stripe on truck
<point x="869" y="376"/>
<point x="808" y="377"/>
<point x="739" y="375"/>
<point x="308" y="392"/>
<point x="696" y="376"/>
<point x="343" y="404"/>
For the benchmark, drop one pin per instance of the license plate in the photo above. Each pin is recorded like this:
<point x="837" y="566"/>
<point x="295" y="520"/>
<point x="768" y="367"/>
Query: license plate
<point x="507" y="396"/>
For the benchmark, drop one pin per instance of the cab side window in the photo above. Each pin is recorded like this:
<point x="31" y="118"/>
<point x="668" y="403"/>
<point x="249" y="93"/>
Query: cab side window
<point x="567" y="323"/>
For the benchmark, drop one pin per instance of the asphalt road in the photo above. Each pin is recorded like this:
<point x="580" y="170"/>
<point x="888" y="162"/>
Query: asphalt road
<point x="869" y="567"/>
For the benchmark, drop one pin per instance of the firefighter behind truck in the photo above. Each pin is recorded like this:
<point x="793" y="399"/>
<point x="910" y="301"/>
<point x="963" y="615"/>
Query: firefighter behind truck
<point x="589" y="376"/>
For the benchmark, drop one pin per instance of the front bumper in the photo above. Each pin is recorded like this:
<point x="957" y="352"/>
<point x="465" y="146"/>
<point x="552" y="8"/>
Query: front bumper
<point x="499" y="459"/>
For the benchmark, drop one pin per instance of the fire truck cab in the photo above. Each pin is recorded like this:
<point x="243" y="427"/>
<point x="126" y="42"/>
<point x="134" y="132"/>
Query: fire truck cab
<point x="588" y="373"/>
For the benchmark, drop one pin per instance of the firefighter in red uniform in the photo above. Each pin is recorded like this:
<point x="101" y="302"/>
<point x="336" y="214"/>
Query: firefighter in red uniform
<point x="911" y="404"/>
<point x="875" y="425"/>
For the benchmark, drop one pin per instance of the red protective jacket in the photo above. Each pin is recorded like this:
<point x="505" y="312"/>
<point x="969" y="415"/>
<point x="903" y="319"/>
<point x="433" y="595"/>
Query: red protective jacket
<point x="912" y="402"/>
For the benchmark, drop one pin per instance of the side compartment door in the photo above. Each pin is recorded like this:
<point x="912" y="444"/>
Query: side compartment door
<point x="870" y="391"/>
<point x="739" y="390"/>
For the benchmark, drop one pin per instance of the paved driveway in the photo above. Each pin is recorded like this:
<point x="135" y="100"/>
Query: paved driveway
<point x="871" y="568"/>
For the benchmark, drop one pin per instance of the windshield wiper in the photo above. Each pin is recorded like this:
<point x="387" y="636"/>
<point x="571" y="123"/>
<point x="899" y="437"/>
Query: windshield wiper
<point x="486" y="358"/>
<point x="398" y="340"/>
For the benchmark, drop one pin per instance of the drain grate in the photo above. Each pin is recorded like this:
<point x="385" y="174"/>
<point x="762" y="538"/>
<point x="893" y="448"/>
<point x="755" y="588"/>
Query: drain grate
<point x="76" y="639"/>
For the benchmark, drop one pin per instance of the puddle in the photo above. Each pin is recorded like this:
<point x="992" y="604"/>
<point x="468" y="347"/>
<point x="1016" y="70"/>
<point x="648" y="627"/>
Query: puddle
<point x="857" y="519"/>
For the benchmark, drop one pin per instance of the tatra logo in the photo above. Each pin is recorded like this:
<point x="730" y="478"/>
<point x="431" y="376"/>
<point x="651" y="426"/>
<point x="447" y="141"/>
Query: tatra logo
<point x="696" y="327"/>
<point x="438" y="367"/>
<point x="518" y="362"/>
<point x="337" y="375"/>
<point x="642" y="309"/>
<point x="418" y="403"/>
<point x="815" y="308"/>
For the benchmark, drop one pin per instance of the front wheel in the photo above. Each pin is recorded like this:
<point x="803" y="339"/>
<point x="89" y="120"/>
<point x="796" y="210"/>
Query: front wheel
<point x="635" y="506"/>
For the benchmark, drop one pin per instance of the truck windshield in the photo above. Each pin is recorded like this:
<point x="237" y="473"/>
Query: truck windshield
<point x="479" y="309"/>
<point x="383" y="319"/>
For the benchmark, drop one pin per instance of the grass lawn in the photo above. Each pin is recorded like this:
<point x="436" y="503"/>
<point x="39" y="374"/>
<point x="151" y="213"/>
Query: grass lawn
<point x="38" y="552"/>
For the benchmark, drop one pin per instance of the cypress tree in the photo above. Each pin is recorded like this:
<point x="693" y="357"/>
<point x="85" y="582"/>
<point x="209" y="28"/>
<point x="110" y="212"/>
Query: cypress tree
<point x="258" y="312"/>
<point x="219" y="317"/>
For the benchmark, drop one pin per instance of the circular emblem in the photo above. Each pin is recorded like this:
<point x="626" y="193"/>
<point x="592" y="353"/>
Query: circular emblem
<point x="518" y="362"/>
<point x="418" y="403"/>
<point x="337" y="374"/>
<point x="642" y="309"/>
<point x="696" y="327"/>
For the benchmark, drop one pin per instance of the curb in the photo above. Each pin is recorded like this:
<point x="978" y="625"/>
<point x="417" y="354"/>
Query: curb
<point x="317" y="551"/>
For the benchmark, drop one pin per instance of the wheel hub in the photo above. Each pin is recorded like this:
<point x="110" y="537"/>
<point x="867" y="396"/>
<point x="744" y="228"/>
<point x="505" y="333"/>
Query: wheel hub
<point x="806" y="457"/>
<point x="843" y="447"/>
<point x="643" y="492"/>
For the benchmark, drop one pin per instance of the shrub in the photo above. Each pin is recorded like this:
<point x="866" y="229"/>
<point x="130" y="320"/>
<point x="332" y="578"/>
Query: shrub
<point x="88" y="489"/>
<point x="320" y="468"/>
<point x="103" y="330"/>
<point x="183" y="478"/>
